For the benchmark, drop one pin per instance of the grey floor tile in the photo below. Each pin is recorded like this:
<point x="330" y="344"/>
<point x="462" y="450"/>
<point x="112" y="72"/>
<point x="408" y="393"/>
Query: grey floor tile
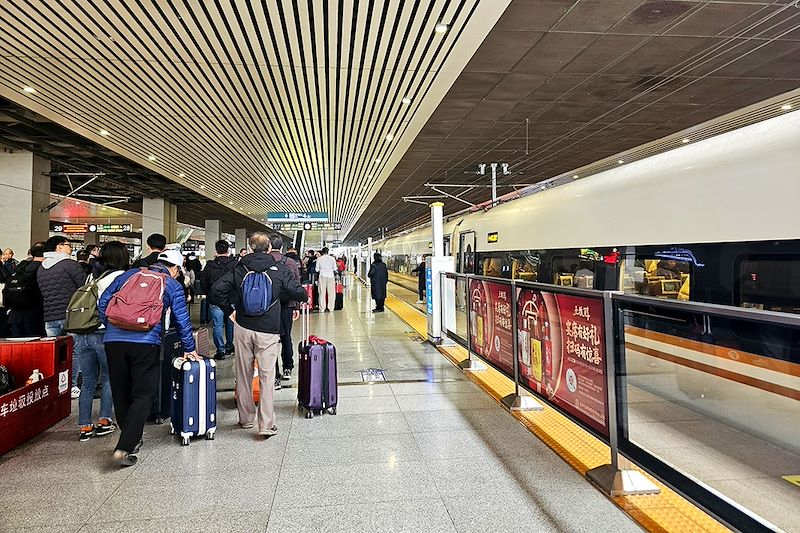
<point x="148" y="498"/>
<point x="415" y="515"/>
<point x="367" y="405"/>
<point x="390" y="448"/>
<point x="445" y="402"/>
<point x="403" y="389"/>
<point x="368" y="390"/>
<point x="363" y="425"/>
<point x="93" y="466"/>
<point x="238" y="522"/>
<point x="500" y="514"/>
<point x="40" y="503"/>
<point x="41" y="528"/>
<point x="370" y="482"/>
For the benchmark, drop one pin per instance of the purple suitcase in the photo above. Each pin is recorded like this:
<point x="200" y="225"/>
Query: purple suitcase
<point x="317" y="387"/>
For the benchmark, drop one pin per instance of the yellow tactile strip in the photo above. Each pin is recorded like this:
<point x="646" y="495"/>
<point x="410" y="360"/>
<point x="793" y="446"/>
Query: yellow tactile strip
<point x="662" y="513"/>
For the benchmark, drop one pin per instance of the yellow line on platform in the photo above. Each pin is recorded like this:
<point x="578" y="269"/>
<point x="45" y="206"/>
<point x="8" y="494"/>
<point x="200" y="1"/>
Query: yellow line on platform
<point x="666" y="512"/>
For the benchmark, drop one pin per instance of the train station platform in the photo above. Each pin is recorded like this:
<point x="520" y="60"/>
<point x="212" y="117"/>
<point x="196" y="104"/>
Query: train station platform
<point x="425" y="450"/>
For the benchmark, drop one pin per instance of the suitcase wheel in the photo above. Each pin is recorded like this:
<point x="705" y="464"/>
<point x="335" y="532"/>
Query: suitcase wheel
<point x="309" y="414"/>
<point x="332" y="410"/>
<point x="185" y="441"/>
<point x="172" y="431"/>
<point x="209" y="436"/>
<point x="159" y="420"/>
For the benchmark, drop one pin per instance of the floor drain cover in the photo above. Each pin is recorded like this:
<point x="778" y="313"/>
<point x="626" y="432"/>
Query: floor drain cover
<point x="414" y="336"/>
<point x="373" y="374"/>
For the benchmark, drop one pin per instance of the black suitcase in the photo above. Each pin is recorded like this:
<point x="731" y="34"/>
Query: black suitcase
<point x="205" y="317"/>
<point x="170" y="349"/>
<point x="338" y="304"/>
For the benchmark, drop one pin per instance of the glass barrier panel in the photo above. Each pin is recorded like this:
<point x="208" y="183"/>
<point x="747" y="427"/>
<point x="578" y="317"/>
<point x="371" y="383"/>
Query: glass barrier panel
<point x="561" y="353"/>
<point x="448" y="288"/>
<point x="717" y="398"/>
<point x="461" y="308"/>
<point x="491" y="328"/>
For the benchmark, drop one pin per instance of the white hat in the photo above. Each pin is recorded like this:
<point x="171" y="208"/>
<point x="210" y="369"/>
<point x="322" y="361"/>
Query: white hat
<point x="173" y="257"/>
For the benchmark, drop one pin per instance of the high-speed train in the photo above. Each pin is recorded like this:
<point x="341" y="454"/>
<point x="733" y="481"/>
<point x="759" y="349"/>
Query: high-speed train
<point x="713" y="221"/>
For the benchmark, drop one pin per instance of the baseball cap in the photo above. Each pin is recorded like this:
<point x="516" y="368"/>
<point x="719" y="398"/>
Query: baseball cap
<point x="173" y="257"/>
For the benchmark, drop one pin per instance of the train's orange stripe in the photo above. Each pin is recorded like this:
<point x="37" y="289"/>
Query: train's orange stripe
<point x="727" y="374"/>
<point x="730" y="354"/>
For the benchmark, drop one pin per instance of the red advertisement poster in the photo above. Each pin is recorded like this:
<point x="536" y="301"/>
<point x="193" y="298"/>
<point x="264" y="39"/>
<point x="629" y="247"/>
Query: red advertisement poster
<point x="562" y="353"/>
<point x="490" y="323"/>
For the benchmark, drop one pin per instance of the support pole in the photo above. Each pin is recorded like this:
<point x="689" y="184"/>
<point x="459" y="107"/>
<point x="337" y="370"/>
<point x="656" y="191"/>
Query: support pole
<point x="516" y="401"/>
<point x="494" y="183"/>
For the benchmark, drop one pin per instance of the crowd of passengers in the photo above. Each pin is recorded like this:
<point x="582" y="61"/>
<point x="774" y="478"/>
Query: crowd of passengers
<point x="122" y="366"/>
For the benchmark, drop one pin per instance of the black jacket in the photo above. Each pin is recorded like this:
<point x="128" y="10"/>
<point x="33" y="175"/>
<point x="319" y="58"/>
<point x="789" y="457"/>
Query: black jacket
<point x="59" y="277"/>
<point x="379" y="277"/>
<point x="420" y="270"/>
<point x="227" y="289"/>
<point x="214" y="270"/>
<point x="146" y="261"/>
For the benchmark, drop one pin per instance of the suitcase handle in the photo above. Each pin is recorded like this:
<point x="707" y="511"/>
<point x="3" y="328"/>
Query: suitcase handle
<point x="305" y="318"/>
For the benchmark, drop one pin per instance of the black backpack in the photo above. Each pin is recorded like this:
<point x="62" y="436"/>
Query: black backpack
<point x="22" y="290"/>
<point x="6" y="381"/>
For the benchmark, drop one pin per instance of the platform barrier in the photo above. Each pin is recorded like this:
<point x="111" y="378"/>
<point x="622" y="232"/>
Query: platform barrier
<point x="704" y="398"/>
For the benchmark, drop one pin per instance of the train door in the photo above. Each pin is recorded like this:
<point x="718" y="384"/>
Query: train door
<point x="466" y="252"/>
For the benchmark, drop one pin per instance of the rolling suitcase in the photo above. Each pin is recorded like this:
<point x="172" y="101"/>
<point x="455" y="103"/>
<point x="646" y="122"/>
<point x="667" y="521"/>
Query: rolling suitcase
<point x="170" y="349"/>
<point x="338" y="304"/>
<point x="194" y="399"/>
<point x="205" y="316"/>
<point x="317" y="383"/>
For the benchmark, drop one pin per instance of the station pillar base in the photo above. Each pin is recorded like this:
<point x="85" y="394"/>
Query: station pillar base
<point x="616" y="482"/>
<point x="517" y="402"/>
<point x="472" y="365"/>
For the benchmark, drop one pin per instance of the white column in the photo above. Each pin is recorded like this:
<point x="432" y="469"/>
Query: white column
<point x="159" y="216"/>
<point x="438" y="229"/>
<point x="24" y="191"/>
<point x="241" y="239"/>
<point x="213" y="234"/>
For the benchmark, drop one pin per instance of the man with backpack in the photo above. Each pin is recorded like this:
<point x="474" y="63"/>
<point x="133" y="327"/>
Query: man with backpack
<point x="134" y="309"/>
<point x="22" y="297"/>
<point x="255" y="290"/>
<point x="59" y="278"/>
<point x="222" y="264"/>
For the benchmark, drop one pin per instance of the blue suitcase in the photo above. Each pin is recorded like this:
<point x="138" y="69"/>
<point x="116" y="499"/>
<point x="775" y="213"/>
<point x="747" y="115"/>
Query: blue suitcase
<point x="194" y="399"/>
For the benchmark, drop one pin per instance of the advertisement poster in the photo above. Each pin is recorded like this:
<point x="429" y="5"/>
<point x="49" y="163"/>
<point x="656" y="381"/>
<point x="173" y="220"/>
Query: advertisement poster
<point x="562" y="353"/>
<point x="490" y="323"/>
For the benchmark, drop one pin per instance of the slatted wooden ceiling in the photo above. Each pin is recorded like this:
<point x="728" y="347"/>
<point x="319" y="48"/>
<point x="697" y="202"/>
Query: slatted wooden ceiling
<point x="263" y="106"/>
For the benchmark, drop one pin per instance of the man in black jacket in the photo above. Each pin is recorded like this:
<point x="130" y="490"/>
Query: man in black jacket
<point x="257" y="337"/>
<point x="25" y="317"/>
<point x="222" y="264"/>
<point x="156" y="242"/>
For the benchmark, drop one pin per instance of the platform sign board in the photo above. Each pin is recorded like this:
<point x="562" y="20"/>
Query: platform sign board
<point x="307" y="226"/>
<point x="110" y="228"/>
<point x="310" y="216"/>
<point x="429" y="290"/>
<point x="561" y="353"/>
<point x="490" y="323"/>
<point x="62" y="227"/>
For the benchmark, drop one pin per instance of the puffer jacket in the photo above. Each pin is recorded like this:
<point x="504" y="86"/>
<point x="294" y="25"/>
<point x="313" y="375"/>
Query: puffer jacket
<point x="174" y="301"/>
<point x="215" y="269"/>
<point x="58" y="278"/>
<point x="227" y="291"/>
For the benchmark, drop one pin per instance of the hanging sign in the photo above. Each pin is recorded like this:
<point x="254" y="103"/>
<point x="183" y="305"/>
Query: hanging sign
<point x="491" y="238"/>
<point x="311" y="216"/>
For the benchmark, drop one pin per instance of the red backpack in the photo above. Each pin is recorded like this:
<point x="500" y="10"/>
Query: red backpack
<point x="139" y="303"/>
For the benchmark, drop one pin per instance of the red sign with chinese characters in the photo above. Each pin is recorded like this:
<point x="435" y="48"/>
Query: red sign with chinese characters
<point x="562" y="353"/>
<point x="490" y="323"/>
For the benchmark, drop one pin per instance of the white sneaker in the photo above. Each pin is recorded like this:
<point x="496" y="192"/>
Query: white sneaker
<point x="75" y="393"/>
<point x="420" y="302"/>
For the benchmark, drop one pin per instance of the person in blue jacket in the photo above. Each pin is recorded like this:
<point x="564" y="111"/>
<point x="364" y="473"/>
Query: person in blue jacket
<point x="133" y="356"/>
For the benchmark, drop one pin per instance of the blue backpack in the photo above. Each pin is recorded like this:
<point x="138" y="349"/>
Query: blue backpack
<point x="256" y="293"/>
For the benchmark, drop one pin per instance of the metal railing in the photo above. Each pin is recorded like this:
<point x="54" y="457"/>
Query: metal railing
<point x="683" y="389"/>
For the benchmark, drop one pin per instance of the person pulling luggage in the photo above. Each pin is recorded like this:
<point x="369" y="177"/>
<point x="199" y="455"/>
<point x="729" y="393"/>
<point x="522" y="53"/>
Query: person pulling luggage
<point x="254" y="291"/>
<point x="135" y="309"/>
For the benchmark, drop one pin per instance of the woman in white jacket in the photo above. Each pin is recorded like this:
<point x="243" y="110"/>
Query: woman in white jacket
<point x="89" y="348"/>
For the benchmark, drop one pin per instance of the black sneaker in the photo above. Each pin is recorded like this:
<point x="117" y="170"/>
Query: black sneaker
<point x="278" y="385"/>
<point x="229" y="351"/>
<point x="105" y="427"/>
<point x="287" y="374"/>
<point x="87" y="432"/>
<point x="220" y="356"/>
<point x="138" y="447"/>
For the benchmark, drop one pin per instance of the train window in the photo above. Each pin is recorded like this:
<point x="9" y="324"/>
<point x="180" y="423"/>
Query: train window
<point x="574" y="271"/>
<point x="650" y="276"/>
<point x="492" y="266"/>
<point x="525" y="265"/>
<point x="770" y="282"/>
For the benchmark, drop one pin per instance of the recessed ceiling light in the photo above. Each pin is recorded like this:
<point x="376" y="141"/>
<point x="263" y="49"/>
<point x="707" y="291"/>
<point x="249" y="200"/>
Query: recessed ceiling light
<point x="249" y="213"/>
<point x="441" y="27"/>
<point x="377" y="159"/>
<point x="405" y="101"/>
<point x="389" y="137"/>
<point x="203" y="187"/>
<point x="151" y="158"/>
<point x="578" y="195"/>
<point x="77" y="203"/>
<point x="104" y="133"/>
<point x="181" y="175"/>
<point x="575" y="177"/>
<point x="786" y="107"/>
<point x="684" y="141"/>
<point x="219" y="196"/>
<point x="231" y="203"/>
<point x="620" y="162"/>
<point x="28" y="89"/>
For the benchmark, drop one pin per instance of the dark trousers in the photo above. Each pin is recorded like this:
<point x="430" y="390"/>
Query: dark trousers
<point x="421" y="294"/>
<point x="26" y="323"/>
<point x="133" y="370"/>
<point x="287" y="350"/>
<point x="379" y="303"/>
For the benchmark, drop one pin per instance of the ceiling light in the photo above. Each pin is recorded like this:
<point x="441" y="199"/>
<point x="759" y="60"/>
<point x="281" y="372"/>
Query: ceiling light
<point x="575" y="177"/>
<point x="104" y="133"/>
<point x="203" y="187"/>
<point x="441" y="27"/>
<point x="786" y="107"/>
<point x="181" y="175"/>
<point x="578" y="195"/>
<point x="377" y="159"/>
<point x="151" y="158"/>
<point x="230" y="203"/>
<point x="219" y="196"/>
<point x="620" y="162"/>
<point x="684" y="141"/>
<point x="389" y="137"/>
<point x="405" y="101"/>
<point x="28" y="89"/>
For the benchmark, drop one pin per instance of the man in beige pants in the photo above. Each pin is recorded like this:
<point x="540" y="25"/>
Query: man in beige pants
<point x="257" y="336"/>
<point x="326" y="266"/>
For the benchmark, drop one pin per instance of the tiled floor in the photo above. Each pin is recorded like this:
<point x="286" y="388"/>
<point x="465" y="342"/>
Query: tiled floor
<point x="427" y="451"/>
